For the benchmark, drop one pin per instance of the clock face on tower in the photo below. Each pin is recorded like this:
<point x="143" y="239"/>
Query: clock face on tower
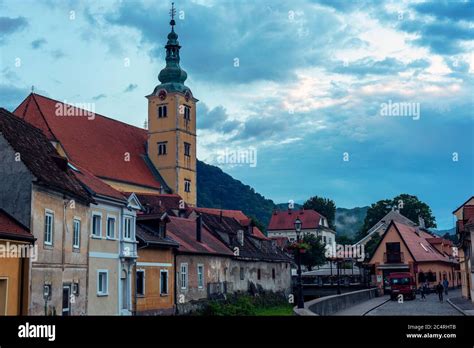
<point x="187" y="95"/>
<point x="162" y="94"/>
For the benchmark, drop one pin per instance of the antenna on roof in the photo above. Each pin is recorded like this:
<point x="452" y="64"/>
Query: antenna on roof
<point x="32" y="89"/>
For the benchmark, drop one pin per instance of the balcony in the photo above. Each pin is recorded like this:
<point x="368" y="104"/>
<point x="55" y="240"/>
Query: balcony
<point x="128" y="249"/>
<point x="393" y="257"/>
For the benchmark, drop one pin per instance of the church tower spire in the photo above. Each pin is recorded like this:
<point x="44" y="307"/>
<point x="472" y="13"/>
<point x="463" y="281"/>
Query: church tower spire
<point x="172" y="75"/>
<point x="172" y="123"/>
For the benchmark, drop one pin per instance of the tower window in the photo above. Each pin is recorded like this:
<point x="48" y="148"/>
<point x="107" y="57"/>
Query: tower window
<point x="187" y="149"/>
<point x="187" y="185"/>
<point x="187" y="113"/>
<point x="162" y="148"/>
<point x="162" y="111"/>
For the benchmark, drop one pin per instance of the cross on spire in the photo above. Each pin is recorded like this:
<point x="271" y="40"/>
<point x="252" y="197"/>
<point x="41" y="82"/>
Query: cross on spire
<point x="172" y="14"/>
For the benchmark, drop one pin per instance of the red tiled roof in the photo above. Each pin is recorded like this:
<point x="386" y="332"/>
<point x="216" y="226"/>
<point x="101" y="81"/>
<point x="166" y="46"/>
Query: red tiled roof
<point x="418" y="244"/>
<point x="285" y="220"/>
<point x="96" y="185"/>
<point x="39" y="156"/>
<point x="159" y="203"/>
<point x="236" y="214"/>
<point x="9" y="227"/>
<point x="183" y="231"/>
<point x="100" y="144"/>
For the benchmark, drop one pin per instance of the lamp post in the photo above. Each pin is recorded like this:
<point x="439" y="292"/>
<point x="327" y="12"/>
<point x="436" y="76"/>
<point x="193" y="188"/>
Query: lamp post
<point x="299" y="282"/>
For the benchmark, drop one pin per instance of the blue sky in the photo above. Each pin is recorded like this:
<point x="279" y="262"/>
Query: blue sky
<point x="311" y="79"/>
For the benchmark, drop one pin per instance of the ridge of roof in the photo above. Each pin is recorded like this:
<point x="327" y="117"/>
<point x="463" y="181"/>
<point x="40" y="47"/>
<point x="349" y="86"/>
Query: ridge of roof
<point x="37" y="154"/>
<point x="95" y="114"/>
<point x="96" y="142"/>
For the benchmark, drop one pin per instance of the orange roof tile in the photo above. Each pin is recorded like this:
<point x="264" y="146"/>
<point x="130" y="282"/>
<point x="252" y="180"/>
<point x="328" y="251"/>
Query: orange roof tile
<point x="108" y="148"/>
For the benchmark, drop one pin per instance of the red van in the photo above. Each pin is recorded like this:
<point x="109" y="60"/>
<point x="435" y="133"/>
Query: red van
<point x="402" y="283"/>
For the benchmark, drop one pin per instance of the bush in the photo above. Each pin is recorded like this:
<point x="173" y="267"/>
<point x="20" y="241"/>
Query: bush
<point x="240" y="304"/>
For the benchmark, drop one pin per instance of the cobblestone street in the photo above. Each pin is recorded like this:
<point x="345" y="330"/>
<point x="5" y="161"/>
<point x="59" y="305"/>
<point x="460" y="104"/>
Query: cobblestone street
<point x="430" y="306"/>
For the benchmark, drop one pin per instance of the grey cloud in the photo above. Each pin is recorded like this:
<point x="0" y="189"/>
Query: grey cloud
<point x="38" y="43"/>
<point x="10" y="25"/>
<point x="131" y="87"/>
<point x="216" y="119"/>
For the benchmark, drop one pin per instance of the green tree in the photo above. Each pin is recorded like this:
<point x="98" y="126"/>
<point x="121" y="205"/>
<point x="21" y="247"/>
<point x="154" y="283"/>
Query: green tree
<point x="315" y="255"/>
<point x="343" y="239"/>
<point x="324" y="206"/>
<point x="371" y="245"/>
<point x="258" y="224"/>
<point x="408" y="205"/>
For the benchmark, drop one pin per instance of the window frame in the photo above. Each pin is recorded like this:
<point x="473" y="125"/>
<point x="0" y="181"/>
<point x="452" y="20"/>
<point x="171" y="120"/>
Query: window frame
<point x="111" y="217"/>
<point x="200" y="276"/>
<point x="187" y="185"/>
<point x="48" y="213"/>
<point x="99" y="283"/>
<point x="187" y="149"/>
<point x="164" y="145"/>
<point x="74" y="221"/>
<point x="187" y="113"/>
<point x="183" y="276"/>
<point x="98" y="214"/>
<point x="167" y="282"/>
<point x="141" y="270"/>
<point x="163" y="110"/>
<point x="128" y="218"/>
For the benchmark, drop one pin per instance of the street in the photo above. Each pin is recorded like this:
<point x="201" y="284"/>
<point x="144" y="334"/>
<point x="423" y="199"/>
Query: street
<point x="430" y="306"/>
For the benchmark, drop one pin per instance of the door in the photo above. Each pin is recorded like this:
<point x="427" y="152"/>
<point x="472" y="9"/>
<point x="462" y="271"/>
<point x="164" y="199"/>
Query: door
<point x="3" y="296"/>
<point x="66" y="301"/>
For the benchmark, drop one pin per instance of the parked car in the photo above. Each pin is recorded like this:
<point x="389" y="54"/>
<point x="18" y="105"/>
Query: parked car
<point x="402" y="284"/>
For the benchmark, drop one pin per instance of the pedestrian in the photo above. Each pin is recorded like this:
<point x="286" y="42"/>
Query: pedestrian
<point x="422" y="292"/>
<point x="446" y="286"/>
<point x="439" y="290"/>
<point x="426" y="288"/>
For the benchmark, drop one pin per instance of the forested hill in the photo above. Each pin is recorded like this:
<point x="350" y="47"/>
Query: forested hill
<point x="217" y="189"/>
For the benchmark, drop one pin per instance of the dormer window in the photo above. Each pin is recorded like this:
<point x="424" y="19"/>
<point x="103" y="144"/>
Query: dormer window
<point x="240" y="237"/>
<point x="162" y="230"/>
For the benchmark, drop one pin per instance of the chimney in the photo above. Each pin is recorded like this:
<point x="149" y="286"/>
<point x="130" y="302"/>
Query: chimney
<point x="220" y="216"/>
<point x="198" y="227"/>
<point x="250" y="227"/>
<point x="421" y="222"/>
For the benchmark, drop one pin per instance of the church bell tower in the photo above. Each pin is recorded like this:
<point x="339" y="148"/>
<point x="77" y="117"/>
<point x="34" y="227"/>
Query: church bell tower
<point x="172" y="124"/>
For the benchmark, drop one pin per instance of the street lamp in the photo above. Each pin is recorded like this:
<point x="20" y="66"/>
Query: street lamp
<point x="299" y="282"/>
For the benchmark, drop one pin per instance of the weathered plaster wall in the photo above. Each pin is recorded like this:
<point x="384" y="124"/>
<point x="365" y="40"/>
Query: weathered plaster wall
<point x="58" y="264"/>
<point x="15" y="184"/>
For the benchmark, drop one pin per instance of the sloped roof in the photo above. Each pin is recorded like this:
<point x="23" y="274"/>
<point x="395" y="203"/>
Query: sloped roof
<point x="236" y="214"/>
<point x="39" y="156"/>
<point x="95" y="185"/>
<point x="147" y="234"/>
<point x="108" y="148"/>
<point x="159" y="203"/>
<point x="184" y="232"/>
<point x="285" y="220"/>
<point x="11" y="228"/>
<point x="417" y="242"/>
<point x="226" y="229"/>
<point x="381" y="226"/>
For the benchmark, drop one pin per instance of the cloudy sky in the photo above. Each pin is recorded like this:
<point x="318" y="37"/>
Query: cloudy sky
<point x="302" y="83"/>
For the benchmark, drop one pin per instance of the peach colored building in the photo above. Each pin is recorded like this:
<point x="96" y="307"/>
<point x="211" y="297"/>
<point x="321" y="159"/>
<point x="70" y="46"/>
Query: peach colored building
<point x="405" y="248"/>
<point x="465" y="231"/>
